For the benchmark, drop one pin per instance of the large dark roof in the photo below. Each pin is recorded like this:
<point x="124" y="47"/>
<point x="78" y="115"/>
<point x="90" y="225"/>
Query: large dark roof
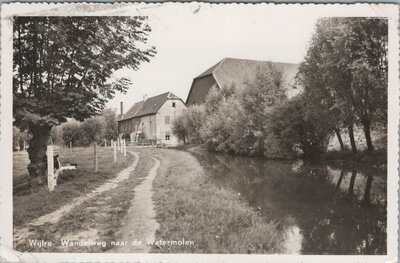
<point x="149" y="106"/>
<point x="132" y="111"/>
<point x="210" y="70"/>
<point x="231" y="71"/>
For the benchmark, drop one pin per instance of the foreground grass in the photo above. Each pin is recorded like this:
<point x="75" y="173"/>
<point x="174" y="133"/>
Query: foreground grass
<point x="190" y="207"/>
<point x="98" y="219"/>
<point x="71" y="183"/>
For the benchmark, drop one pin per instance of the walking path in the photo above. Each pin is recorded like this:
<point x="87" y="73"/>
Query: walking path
<point x="139" y="223"/>
<point x="22" y="233"/>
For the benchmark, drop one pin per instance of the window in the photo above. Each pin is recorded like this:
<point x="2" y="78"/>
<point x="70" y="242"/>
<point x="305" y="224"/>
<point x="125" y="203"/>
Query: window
<point x="167" y="120"/>
<point x="173" y="104"/>
<point x="167" y="136"/>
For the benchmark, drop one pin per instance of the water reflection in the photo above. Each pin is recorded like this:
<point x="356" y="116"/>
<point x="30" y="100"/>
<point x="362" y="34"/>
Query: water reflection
<point x="332" y="210"/>
<point x="293" y="240"/>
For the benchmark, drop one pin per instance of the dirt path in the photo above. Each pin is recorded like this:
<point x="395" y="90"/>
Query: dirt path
<point x="139" y="223"/>
<point x="22" y="233"/>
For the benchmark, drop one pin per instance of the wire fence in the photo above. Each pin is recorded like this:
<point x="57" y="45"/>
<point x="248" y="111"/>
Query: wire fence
<point x="118" y="145"/>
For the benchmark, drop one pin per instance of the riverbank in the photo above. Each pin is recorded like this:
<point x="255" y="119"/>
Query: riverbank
<point x="189" y="207"/>
<point x="376" y="159"/>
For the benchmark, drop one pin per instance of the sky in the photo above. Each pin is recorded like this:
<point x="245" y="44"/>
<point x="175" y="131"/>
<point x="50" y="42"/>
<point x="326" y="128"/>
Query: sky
<point x="191" y="38"/>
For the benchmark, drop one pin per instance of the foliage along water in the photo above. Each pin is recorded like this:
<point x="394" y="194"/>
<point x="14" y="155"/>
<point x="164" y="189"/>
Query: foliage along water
<point x="322" y="209"/>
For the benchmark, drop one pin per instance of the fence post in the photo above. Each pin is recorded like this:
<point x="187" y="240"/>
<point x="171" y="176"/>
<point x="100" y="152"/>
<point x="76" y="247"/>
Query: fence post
<point x="70" y="146"/>
<point x="121" y="148"/>
<point x="105" y="143"/>
<point x="24" y="145"/>
<point x="115" y="151"/>
<point x="50" y="168"/>
<point x="96" y="166"/>
<point x="124" y="148"/>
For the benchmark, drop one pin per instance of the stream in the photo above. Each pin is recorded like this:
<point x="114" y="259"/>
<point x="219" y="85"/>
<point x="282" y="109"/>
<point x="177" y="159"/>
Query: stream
<point x="324" y="209"/>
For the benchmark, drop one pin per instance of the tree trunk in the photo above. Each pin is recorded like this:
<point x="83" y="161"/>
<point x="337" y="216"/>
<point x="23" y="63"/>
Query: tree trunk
<point x="339" y="137"/>
<point x="37" y="153"/>
<point x="368" y="190"/>
<point x="352" y="140"/>
<point x="339" y="182"/>
<point x="367" y="131"/>
<point x="351" y="185"/>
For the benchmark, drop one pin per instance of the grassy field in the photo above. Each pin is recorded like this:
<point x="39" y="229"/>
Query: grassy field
<point x="378" y="136"/>
<point x="216" y="220"/>
<point x="71" y="183"/>
<point x="98" y="219"/>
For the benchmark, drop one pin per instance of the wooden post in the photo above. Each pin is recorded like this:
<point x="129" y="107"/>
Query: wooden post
<point x="118" y="144"/>
<point x="115" y="151"/>
<point x="24" y="145"/>
<point x="96" y="165"/>
<point x="105" y="143"/>
<point x="70" y="146"/>
<point x="124" y="148"/>
<point x="50" y="168"/>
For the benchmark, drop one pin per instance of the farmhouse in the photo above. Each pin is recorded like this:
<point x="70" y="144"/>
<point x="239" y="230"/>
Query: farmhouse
<point x="151" y="120"/>
<point x="231" y="71"/>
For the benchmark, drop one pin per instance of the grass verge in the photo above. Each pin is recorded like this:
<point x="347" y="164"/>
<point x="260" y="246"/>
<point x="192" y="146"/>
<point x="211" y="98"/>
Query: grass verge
<point x="71" y="183"/>
<point x="190" y="207"/>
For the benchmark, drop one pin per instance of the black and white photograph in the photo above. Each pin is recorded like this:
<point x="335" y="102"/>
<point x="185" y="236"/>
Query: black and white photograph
<point x="256" y="132"/>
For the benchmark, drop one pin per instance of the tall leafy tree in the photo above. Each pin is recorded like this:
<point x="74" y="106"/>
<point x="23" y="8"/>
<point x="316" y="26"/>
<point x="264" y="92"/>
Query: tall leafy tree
<point x="258" y="99"/>
<point x="111" y="126"/>
<point x="346" y="68"/>
<point x="62" y="69"/>
<point x="365" y="43"/>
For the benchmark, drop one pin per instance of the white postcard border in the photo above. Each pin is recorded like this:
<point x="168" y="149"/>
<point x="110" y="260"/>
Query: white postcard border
<point x="9" y="10"/>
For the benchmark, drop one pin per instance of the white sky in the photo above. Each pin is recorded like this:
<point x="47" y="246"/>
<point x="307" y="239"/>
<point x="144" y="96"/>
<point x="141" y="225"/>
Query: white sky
<point x="189" y="39"/>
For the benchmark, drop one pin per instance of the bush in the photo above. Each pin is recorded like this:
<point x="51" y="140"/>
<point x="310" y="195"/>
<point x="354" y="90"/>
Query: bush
<point x="71" y="132"/>
<point x="189" y="124"/>
<point x="236" y="118"/>
<point x="92" y="130"/>
<point x="301" y="128"/>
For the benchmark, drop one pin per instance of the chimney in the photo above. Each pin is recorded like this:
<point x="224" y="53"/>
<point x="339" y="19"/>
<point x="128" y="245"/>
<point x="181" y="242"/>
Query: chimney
<point x="122" y="108"/>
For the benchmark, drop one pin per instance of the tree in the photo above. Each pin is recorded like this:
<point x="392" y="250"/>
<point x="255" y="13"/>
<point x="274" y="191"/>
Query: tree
<point x="366" y="43"/>
<point x="188" y="125"/>
<point x="56" y="135"/>
<point x="302" y="127"/>
<point x="258" y="99"/>
<point x="19" y="138"/>
<point x="71" y="132"/>
<point x="346" y="68"/>
<point x="221" y="127"/>
<point x="92" y="130"/>
<point x="63" y="68"/>
<point x="111" y="126"/>
<point x="179" y="128"/>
